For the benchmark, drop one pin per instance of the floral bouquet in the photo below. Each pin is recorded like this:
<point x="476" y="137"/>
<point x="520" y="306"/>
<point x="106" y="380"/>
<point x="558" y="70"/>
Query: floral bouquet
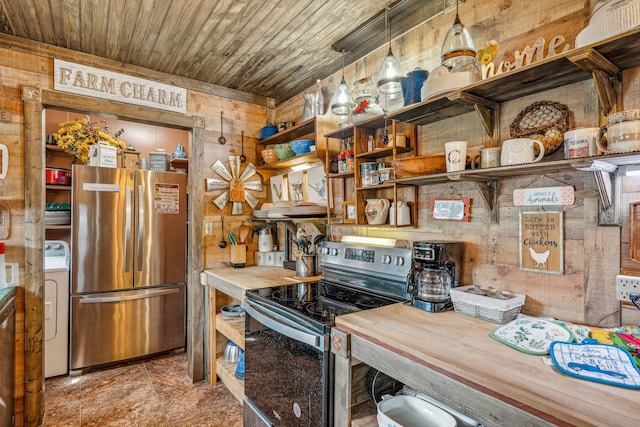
<point x="77" y="136"/>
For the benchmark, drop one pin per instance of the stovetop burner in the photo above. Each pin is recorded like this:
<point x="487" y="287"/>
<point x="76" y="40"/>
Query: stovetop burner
<point x="354" y="277"/>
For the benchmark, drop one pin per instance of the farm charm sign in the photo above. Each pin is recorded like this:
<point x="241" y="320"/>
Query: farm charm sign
<point x="541" y="242"/>
<point x="97" y="83"/>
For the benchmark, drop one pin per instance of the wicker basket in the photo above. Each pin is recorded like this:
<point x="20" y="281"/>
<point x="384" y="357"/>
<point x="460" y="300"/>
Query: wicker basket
<point x="486" y="307"/>
<point x="545" y="121"/>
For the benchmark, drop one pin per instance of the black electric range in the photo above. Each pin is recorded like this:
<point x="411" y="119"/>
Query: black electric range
<point x="288" y="362"/>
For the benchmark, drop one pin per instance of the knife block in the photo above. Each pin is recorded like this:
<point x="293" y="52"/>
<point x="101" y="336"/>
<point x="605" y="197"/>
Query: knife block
<point x="238" y="256"/>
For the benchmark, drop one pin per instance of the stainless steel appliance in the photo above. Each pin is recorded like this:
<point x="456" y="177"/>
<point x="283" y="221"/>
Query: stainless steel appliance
<point x="128" y="264"/>
<point x="288" y="362"/>
<point x="7" y="344"/>
<point x="437" y="267"/>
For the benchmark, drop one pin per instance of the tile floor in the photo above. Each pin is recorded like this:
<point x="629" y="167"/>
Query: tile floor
<point x="153" y="392"/>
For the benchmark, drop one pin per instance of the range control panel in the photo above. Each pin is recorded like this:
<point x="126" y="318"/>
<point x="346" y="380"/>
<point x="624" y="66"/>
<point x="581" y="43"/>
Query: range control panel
<point x="373" y="259"/>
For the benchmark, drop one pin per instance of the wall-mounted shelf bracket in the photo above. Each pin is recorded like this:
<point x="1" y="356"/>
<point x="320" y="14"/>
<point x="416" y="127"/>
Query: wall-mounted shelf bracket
<point x="489" y="192"/>
<point x="487" y="110"/>
<point x="606" y="77"/>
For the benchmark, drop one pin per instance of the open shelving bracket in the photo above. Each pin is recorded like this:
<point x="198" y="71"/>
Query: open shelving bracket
<point x="489" y="192"/>
<point x="487" y="110"/>
<point x="606" y="76"/>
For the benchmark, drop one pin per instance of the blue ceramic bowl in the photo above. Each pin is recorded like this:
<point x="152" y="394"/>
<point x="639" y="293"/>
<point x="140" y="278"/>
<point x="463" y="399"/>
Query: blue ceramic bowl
<point x="267" y="131"/>
<point x="301" y="146"/>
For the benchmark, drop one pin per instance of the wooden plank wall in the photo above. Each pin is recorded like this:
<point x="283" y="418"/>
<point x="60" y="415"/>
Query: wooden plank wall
<point x="19" y="68"/>
<point x="584" y="293"/>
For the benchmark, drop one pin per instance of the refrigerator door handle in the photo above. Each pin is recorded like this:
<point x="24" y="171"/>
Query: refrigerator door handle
<point x="127" y="228"/>
<point x="141" y="220"/>
<point x="144" y="295"/>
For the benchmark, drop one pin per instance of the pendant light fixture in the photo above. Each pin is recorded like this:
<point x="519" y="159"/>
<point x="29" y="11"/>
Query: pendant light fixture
<point x="341" y="102"/>
<point x="390" y="73"/>
<point x="458" y="52"/>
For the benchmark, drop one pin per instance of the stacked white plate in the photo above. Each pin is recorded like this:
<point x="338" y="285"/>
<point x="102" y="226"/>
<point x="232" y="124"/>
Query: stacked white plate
<point x="279" y="211"/>
<point x="60" y="217"/>
<point x="261" y="213"/>
<point x="309" y="210"/>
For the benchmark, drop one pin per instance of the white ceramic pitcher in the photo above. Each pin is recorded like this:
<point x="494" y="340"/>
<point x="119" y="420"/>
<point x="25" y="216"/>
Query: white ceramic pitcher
<point x="376" y="211"/>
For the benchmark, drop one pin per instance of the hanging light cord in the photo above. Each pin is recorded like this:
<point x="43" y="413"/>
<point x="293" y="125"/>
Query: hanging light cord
<point x="387" y="26"/>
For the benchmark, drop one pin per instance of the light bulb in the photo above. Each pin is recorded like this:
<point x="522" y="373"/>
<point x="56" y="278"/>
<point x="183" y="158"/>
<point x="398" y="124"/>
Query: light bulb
<point x="388" y="80"/>
<point x="341" y="102"/>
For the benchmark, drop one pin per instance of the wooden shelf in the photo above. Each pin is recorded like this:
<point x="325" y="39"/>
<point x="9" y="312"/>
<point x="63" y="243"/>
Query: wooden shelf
<point x="384" y="152"/>
<point x="58" y="187"/>
<point x="299" y="130"/>
<point x="292" y="161"/>
<point x="231" y="327"/>
<point x="180" y="164"/>
<point x="227" y="373"/>
<point x="57" y="227"/>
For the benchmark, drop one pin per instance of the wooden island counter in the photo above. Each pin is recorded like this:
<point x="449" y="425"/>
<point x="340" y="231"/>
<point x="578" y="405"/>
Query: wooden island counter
<point x="452" y="358"/>
<point x="227" y="285"/>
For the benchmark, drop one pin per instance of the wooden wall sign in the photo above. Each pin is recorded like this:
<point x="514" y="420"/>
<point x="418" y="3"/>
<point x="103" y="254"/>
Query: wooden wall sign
<point x="544" y="196"/>
<point x="528" y="55"/>
<point x="541" y="241"/>
<point x="103" y="84"/>
<point x="450" y="209"/>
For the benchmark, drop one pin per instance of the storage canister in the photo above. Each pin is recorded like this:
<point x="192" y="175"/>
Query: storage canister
<point x="159" y="160"/>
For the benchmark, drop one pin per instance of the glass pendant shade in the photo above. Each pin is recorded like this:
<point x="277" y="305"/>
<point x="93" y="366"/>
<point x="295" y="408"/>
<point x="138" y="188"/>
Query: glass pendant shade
<point x="458" y="52"/>
<point x="341" y="102"/>
<point x="388" y="80"/>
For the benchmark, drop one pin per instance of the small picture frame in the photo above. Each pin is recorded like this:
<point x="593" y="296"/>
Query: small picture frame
<point x="349" y="213"/>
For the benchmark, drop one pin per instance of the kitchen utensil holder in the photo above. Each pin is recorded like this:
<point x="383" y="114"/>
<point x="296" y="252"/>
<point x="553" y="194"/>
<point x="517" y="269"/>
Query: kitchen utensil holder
<point x="485" y="307"/>
<point x="238" y="256"/>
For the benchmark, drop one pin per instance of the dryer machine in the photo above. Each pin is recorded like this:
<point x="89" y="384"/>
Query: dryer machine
<point x="56" y="307"/>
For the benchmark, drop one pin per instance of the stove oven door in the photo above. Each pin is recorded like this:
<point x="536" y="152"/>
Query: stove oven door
<point x="287" y="368"/>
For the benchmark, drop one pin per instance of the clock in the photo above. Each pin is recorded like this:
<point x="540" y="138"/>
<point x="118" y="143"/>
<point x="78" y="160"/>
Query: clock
<point x="236" y="185"/>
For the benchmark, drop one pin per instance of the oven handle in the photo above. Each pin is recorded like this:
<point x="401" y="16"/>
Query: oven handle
<point x="288" y="329"/>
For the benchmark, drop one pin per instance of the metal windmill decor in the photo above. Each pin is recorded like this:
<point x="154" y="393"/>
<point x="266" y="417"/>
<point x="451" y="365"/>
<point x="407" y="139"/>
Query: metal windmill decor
<point x="235" y="183"/>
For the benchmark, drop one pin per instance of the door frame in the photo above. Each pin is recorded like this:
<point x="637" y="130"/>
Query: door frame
<point x="35" y="101"/>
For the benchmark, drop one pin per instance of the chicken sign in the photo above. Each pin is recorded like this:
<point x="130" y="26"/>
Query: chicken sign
<point x="541" y="242"/>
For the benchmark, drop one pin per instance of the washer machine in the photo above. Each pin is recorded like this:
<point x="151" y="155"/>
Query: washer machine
<point x="56" y="307"/>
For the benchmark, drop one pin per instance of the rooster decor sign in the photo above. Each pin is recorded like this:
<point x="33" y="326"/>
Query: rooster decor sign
<point x="541" y="242"/>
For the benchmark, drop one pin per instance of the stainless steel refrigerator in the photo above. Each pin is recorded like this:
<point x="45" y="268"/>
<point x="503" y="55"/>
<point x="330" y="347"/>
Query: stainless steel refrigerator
<point x="128" y="258"/>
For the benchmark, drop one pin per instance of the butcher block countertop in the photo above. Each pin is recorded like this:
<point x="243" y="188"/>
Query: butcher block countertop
<point x="235" y="281"/>
<point x="459" y="349"/>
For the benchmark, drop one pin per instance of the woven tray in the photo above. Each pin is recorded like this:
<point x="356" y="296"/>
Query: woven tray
<point x="545" y="121"/>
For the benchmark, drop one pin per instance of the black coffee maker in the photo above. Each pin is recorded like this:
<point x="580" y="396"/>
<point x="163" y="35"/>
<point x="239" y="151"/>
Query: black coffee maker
<point x="437" y="267"/>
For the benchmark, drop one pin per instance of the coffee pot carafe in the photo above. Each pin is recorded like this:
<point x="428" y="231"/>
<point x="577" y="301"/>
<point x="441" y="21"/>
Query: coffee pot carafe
<point x="434" y="284"/>
<point x="437" y="267"/>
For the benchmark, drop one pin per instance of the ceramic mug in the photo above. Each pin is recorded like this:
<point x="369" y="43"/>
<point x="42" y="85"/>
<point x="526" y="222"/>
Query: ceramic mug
<point x="623" y="133"/>
<point x="455" y="153"/>
<point x="580" y="143"/>
<point x="519" y="151"/>
<point x="488" y="158"/>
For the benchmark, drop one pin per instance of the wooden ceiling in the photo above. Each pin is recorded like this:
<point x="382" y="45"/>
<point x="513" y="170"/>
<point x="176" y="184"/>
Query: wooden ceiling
<point x="274" y="48"/>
